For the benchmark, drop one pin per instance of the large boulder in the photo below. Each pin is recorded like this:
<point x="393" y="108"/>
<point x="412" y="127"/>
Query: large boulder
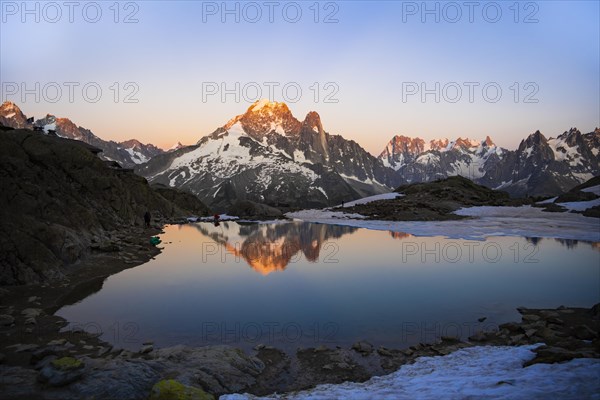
<point x="62" y="371"/>
<point x="217" y="369"/>
<point x="169" y="389"/>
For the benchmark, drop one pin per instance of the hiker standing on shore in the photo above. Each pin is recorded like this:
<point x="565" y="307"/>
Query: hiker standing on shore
<point x="147" y="219"/>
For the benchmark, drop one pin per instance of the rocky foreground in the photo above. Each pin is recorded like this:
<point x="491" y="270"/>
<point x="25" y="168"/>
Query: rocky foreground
<point x="60" y="204"/>
<point x="39" y="361"/>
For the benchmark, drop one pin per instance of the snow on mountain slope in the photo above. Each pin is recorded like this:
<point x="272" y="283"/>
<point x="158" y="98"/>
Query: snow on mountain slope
<point x="539" y="166"/>
<point x="419" y="162"/>
<point x="268" y="156"/>
<point x="11" y="115"/>
<point x="225" y="157"/>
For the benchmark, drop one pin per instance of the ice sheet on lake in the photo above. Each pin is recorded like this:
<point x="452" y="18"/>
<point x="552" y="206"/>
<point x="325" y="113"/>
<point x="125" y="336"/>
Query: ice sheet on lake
<point x="490" y="372"/>
<point x="488" y="221"/>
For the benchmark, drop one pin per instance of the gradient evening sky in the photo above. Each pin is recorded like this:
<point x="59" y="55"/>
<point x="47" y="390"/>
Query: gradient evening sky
<point x="369" y="53"/>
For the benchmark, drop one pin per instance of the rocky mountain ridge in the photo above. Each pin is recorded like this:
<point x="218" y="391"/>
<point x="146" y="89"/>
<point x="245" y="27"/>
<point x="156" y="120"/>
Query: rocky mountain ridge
<point x="540" y="166"/>
<point x="127" y="153"/>
<point x="268" y="156"/>
<point x="289" y="163"/>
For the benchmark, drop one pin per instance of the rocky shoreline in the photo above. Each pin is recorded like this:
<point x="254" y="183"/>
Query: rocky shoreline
<point x="39" y="360"/>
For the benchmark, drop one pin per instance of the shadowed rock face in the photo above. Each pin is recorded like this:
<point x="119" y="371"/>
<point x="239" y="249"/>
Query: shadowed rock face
<point x="11" y="115"/>
<point x="59" y="200"/>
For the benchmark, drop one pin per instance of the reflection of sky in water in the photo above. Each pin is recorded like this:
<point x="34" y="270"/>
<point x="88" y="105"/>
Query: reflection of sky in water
<point x="222" y="284"/>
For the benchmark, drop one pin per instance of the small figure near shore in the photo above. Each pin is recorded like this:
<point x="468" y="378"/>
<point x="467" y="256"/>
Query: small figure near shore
<point x="147" y="219"/>
<point x="216" y="219"/>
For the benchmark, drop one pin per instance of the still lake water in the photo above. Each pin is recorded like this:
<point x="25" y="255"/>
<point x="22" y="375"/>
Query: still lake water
<point x="297" y="284"/>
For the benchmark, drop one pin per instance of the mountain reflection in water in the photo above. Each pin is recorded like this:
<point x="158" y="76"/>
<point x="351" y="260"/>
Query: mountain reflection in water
<point x="271" y="247"/>
<point x="341" y="284"/>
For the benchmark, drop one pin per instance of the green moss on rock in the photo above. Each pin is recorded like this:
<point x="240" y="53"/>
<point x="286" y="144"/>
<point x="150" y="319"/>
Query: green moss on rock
<point x="67" y="363"/>
<point x="170" y="389"/>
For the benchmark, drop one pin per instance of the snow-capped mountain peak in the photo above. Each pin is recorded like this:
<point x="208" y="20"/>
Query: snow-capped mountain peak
<point x="264" y="117"/>
<point x="268" y="156"/>
<point x="403" y="150"/>
<point x="437" y="144"/>
<point x="11" y="115"/>
<point x="487" y="142"/>
<point x="9" y="106"/>
<point x="266" y="106"/>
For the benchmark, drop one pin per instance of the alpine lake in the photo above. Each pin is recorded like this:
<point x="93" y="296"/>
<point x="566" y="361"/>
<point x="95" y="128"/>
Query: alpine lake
<point x="299" y="284"/>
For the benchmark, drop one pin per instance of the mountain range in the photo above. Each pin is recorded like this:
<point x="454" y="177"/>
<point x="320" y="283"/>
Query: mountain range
<point x="128" y="153"/>
<point x="266" y="155"/>
<point x="540" y="166"/>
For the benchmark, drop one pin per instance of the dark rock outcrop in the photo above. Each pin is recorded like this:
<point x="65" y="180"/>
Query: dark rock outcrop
<point x="434" y="201"/>
<point x="59" y="200"/>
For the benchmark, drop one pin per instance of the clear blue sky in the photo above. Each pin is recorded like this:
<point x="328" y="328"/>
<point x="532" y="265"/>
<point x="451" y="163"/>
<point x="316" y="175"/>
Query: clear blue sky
<point x="373" y="55"/>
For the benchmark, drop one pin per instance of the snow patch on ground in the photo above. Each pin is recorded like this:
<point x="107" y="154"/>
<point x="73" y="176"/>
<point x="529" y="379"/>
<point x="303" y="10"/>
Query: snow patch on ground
<point x="593" y="189"/>
<point x="490" y="221"/>
<point x="222" y="217"/>
<point x="580" y="205"/>
<point x="365" y="200"/>
<point x="547" y="201"/>
<point x="490" y="372"/>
